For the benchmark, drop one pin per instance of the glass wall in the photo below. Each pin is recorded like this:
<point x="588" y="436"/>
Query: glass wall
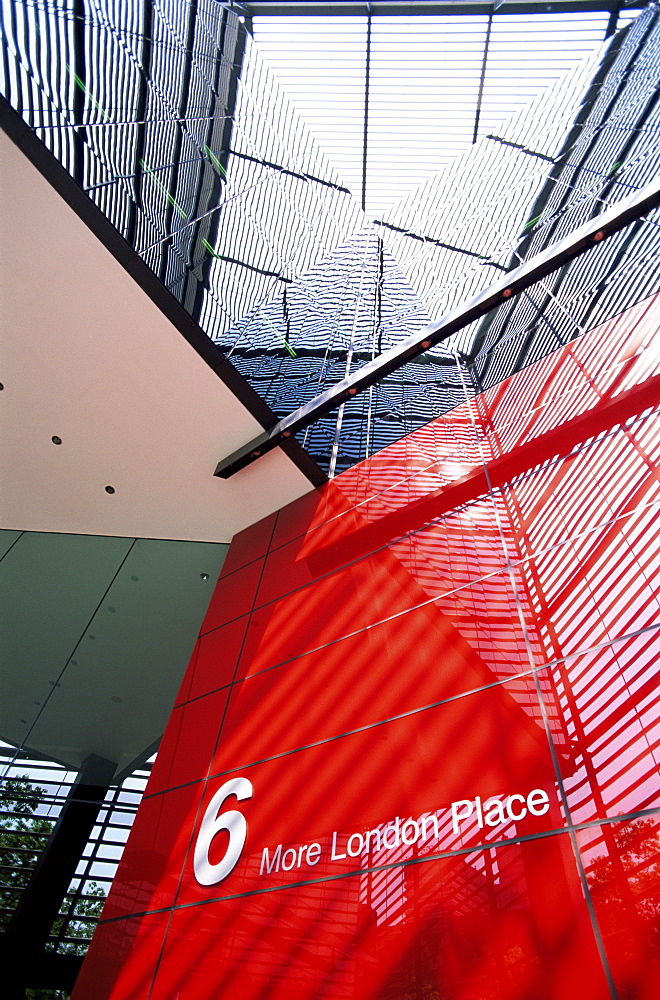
<point x="416" y="750"/>
<point x="32" y="795"/>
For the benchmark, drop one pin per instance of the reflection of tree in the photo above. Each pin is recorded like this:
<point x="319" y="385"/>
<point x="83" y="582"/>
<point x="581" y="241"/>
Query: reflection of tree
<point x="631" y="880"/>
<point x="37" y="994"/>
<point x="424" y="992"/>
<point x="23" y="836"/>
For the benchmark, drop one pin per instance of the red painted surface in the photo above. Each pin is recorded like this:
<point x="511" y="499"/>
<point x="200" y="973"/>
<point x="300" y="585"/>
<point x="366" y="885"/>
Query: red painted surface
<point x="439" y="679"/>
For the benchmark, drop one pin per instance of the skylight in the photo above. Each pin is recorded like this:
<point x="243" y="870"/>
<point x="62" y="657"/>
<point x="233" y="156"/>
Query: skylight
<point x="435" y="84"/>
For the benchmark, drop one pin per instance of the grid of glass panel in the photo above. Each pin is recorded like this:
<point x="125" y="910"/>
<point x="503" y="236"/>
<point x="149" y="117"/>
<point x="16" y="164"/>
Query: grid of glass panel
<point x="32" y="794"/>
<point x="433" y="85"/>
<point x="168" y="116"/>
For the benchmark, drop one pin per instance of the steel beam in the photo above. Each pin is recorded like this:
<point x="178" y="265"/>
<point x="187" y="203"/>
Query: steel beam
<point x="450" y="8"/>
<point x="582" y="239"/>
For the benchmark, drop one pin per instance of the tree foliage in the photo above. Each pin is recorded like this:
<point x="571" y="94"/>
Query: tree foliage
<point x="23" y="836"/>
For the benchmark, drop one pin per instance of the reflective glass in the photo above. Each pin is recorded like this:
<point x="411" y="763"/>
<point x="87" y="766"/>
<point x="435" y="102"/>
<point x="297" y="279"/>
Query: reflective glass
<point x="171" y="121"/>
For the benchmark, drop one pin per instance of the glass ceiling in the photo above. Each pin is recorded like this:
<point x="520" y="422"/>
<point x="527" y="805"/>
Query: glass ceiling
<point x="433" y="85"/>
<point x="172" y="120"/>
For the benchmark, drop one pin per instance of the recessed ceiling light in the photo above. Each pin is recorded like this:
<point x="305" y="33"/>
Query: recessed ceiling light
<point x="109" y="489"/>
<point x="204" y="576"/>
<point x="56" y="440"/>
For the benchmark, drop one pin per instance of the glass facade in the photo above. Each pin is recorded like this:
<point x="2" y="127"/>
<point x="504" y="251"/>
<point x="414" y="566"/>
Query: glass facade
<point x="33" y="793"/>
<point x="416" y="750"/>
<point x="170" y="120"/>
<point x="415" y="754"/>
<point x="437" y="80"/>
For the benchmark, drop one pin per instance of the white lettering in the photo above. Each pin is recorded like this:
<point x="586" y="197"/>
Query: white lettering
<point x="292" y="852"/>
<point x="267" y="863"/>
<point x="518" y="798"/>
<point x="494" y="812"/>
<point x="360" y="844"/>
<point x="456" y="817"/>
<point x="315" y="850"/>
<point x="394" y="828"/>
<point x="335" y="856"/>
<point x="434" y="820"/>
<point x="369" y="835"/>
<point x="412" y="823"/>
<point x="213" y="822"/>
<point x="538" y="802"/>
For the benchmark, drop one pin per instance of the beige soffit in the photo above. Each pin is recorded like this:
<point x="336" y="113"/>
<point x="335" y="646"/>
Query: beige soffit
<point x="87" y="357"/>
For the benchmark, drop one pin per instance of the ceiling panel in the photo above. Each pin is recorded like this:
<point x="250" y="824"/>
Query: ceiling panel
<point x="96" y="635"/>
<point x="89" y="360"/>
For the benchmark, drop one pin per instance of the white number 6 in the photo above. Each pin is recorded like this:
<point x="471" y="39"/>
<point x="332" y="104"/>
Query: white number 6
<point x="214" y="821"/>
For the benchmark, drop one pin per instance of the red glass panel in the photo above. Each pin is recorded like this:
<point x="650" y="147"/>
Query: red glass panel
<point x="184" y="690"/>
<point x="249" y="545"/>
<point x="506" y="924"/>
<point x="622" y="865"/>
<point x="592" y="370"/>
<point x="233" y="595"/>
<point x="368" y="591"/>
<point x="195" y="727"/>
<point x="432" y="764"/>
<point x="396" y="853"/>
<point x="609" y="722"/>
<point x="414" y="660"/>
<point x="217" y="657"/>
<point x="123" y="958"/>
<point x="300" y="517"/>
<point x="151" y="865"/>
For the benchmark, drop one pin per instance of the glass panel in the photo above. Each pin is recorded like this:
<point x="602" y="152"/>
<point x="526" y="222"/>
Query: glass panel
<point x="172" y="122"/>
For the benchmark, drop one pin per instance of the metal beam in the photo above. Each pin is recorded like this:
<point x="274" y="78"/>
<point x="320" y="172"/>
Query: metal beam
<point x="365" y="133"/>
<point x="450" y="8"/>
<point x="582" y="239"/>
<point x="482" y="78"/>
